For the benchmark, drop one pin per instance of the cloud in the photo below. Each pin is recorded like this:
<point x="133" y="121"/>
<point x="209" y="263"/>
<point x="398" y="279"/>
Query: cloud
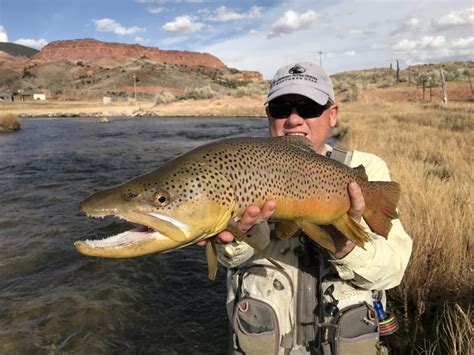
<point x="161" y="2"/>
<point x="182" y="26"/>
<point x="155" y="10"/>
<point x="3" y="34"/>
<point x="223" y="14"/>
<point x="109" y="25"/>
<point x="454" y="19"/>
<point x="350" y="53"/>
<point x="424" y="42"/>
<point x="293" y="22"/>
<point x="410" y="25"/>
<point x="463" y="43"/>
<point x="35" y="43"/>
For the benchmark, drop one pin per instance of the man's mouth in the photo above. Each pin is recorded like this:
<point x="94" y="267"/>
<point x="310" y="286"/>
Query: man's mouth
<point x="295" y="134"/>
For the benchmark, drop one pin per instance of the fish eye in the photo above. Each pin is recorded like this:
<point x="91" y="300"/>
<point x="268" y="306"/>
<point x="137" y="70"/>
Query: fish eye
<point x="161" y="198"/>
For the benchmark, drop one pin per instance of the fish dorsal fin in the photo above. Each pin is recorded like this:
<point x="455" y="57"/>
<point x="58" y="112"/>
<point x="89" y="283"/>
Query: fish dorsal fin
<point x="285" y="230"/>
<point x="299" y="142"/>
<point x="360" y="171"/>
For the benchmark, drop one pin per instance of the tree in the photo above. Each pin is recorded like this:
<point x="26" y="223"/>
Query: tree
<point x="9" y="81"/>
<point x="55" y="78"/>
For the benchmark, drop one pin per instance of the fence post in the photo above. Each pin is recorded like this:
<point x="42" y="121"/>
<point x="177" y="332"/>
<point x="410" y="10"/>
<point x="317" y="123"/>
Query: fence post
<point x="398" y="72"/>
<point x="443" y="87"/>
<point x="431" y="84"/>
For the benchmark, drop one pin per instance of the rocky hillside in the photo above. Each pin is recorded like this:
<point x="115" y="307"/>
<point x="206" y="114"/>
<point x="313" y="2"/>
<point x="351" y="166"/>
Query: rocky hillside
<point x="17" y="50"/>
<point x="89" y="69"/>
<point x="89" y="49"/>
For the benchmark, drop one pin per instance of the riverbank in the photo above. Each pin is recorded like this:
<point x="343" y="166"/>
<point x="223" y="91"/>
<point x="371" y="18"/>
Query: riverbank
<point x="245" y="106"/>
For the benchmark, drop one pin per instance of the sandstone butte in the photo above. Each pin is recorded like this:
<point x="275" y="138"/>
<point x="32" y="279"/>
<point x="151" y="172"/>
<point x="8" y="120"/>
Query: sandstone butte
<point x="84" y="49"/>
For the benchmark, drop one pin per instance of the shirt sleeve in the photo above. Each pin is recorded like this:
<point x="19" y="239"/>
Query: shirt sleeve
<point x="382" y="263"/>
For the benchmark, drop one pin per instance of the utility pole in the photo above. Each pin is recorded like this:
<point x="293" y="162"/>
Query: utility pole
<point x="135" y="88"/>
<point x="320" y="58"/>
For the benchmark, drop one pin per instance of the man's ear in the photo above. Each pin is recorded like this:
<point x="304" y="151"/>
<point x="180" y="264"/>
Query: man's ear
<point x="333" y="114"/>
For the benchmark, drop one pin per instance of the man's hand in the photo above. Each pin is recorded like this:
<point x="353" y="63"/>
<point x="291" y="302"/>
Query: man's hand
<point x="251" y="216"/>
<point x="343" y="245"/>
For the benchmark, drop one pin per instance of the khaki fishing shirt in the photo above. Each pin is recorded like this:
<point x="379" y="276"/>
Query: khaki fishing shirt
<point x="380" y="266"/>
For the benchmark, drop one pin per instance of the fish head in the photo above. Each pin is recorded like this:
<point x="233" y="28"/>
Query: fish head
<point x="174" y="206"/>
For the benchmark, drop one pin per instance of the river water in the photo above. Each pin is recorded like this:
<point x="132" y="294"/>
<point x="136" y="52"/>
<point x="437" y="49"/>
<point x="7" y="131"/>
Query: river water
<point x="54" y="300"/>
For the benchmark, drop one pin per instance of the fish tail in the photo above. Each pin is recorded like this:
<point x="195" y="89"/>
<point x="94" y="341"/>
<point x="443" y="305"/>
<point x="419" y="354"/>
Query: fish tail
<point x="381" y="199"/>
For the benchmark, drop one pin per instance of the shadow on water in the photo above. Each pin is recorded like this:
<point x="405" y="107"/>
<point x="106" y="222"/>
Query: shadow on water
<point x="55" y="300"/>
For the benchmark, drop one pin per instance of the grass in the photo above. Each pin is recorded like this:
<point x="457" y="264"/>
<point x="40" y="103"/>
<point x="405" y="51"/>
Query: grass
<point x="428" y="148"/>
<point x="9" y="123"/>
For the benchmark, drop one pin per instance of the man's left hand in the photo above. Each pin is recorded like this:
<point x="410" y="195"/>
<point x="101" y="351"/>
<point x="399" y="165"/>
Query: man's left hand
<point x="343" y="245"/>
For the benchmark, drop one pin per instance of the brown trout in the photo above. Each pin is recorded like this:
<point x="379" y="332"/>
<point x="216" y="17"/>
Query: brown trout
<point x="204" y="191"/>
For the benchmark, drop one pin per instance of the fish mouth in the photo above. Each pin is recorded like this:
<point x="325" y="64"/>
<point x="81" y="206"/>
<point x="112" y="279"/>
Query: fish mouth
<point x="124" y="239"/>
<point x="142" y="240"/>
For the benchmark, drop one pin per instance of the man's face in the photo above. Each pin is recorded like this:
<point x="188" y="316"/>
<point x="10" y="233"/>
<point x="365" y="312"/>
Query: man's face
<point x="316" y="129"/>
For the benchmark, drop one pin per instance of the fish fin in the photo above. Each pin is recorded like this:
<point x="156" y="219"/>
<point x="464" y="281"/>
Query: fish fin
<point x="242" y="237"/>
<point x="352" y="230"/>
<point x="360" y="171"/>
<point x="318" y="235"/>
<point x="381" y="199"/>
<point x="285" y="230"/>
<point x="211" y="256"/>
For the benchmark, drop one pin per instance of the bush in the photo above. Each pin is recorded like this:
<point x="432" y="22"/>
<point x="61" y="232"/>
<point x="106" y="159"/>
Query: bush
<point x="250" y="90"/>
<point x="9" y="122"/>
<point x="164" y="98"/>
<point x="352" y="93"/>
<point x="205" y="92"/>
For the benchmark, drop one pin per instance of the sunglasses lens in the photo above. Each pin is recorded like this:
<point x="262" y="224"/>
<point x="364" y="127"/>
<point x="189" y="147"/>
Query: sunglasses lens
<point x="280" y="109"/>
<point x="309" y="109"/>
<point x="305" y="109"/>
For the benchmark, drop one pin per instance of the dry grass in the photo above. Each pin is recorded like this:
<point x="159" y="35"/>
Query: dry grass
<point x="428" y="148"/>
<point x="227" y="106"/>
<point x="9" y="122"/>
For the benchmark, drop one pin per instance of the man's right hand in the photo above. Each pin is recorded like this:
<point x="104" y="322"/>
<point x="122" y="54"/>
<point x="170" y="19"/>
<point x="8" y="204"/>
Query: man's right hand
<point x="251" y="216"/>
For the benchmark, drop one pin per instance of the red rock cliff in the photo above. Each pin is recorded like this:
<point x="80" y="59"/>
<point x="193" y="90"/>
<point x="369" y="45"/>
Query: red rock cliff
<point x="84" y="49"/>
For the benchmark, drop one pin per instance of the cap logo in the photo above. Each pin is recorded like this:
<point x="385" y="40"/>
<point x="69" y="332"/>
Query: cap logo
<point x="297" y="69"/>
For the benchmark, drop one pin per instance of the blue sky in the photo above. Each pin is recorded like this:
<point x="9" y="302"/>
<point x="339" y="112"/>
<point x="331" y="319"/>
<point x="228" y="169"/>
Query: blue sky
<point x="258" y="35"/>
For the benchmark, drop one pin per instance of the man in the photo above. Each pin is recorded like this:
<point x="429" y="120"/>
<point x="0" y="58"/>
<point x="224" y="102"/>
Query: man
<point x="301" y="101"/>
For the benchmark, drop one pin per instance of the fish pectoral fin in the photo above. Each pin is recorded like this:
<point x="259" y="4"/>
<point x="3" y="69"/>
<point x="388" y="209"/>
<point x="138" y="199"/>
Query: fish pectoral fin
<point x="285" y="230"/>
<point x="211" y="256"/>
<point x="318" y="235"/>
<point x="242" y="237"/>
<point x="352" y="230"/>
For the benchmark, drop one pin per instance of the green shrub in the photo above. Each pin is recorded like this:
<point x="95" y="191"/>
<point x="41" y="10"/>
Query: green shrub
<point x="352" y="94"/>
<point x="206" y="92"/>
<point x="164" y="98"/>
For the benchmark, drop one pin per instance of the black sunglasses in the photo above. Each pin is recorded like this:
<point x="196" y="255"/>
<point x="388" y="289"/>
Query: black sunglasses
<point x="305" y="108"/>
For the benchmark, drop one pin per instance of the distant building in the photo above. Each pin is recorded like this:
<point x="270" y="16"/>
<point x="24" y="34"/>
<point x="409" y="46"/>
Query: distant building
<point x="29" y="96"/>
<point x="39" y="97"/>
<point x="5" y="96"/>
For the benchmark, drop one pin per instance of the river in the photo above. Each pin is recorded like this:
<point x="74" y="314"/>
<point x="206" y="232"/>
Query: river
<point x="54" y="300"/>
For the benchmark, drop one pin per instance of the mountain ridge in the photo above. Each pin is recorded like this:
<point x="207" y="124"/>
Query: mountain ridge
<point x="17" y="50"/>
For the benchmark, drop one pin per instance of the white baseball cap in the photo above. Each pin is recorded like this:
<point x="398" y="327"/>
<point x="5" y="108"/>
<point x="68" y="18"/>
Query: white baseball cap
<point x="305" y="78"/>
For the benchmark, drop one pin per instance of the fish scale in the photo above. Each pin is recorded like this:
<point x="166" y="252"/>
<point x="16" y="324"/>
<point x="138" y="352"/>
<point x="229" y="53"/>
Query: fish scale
<point x="204" y="191"/>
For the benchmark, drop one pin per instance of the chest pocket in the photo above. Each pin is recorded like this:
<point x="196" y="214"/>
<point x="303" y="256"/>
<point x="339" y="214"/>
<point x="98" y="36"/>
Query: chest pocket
<point x="263" y="318"/>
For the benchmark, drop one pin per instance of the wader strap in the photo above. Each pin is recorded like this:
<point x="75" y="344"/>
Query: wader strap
<point x="340" y="154"/>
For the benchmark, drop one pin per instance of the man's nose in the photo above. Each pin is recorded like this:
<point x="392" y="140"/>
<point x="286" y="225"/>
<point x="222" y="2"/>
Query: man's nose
<point x="294" y="119"/>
